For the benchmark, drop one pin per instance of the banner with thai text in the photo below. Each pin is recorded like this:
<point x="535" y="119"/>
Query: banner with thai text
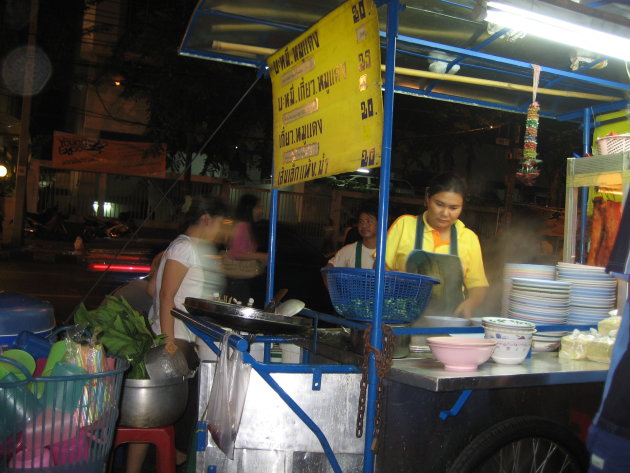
<point x="327" y="100"/>
<point x="82" y="153"/>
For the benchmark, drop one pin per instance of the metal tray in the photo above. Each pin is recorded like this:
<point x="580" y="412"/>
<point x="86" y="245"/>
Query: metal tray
<point x="246" y="319"/>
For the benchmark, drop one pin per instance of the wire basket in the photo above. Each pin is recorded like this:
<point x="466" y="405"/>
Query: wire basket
<point x="613" y="144"/>
<point x="58" y="424"/>
<point x="352" y="294"/>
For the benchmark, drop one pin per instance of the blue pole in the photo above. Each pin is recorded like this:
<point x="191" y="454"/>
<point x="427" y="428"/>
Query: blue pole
<point x="271" y="249"/>
<point x="376" y="339"/>
<point x="586" y="143"/>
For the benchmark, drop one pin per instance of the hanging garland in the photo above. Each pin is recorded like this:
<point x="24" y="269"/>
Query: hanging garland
<point x="528" y="172"/>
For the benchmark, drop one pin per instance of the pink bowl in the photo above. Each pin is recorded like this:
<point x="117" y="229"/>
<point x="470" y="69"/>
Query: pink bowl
<point x="461" y="353"/>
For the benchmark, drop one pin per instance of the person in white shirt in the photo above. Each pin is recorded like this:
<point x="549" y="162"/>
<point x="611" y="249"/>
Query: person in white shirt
<point x="360" y="254"/>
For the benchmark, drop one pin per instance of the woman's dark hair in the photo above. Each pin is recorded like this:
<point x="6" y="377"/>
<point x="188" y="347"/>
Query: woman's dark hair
<point x="447" y="183"/>
<point x="195" y="207"/>
<point x="245" y="208"/>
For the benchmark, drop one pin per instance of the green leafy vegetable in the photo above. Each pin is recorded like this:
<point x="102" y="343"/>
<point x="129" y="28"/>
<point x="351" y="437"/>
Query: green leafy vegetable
<point x="122" y="331"/>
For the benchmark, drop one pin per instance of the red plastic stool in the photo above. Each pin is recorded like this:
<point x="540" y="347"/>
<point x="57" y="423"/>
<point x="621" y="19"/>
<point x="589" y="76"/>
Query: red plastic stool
<point x="162" y="437"/>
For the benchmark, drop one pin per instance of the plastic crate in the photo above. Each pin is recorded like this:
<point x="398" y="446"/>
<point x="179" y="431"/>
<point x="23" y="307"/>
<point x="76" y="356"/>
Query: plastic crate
<point x="613" y="144"/>
<point x="405" y="295"/>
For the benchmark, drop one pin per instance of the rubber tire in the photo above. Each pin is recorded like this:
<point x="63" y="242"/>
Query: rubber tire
<point x="483" y="447"/>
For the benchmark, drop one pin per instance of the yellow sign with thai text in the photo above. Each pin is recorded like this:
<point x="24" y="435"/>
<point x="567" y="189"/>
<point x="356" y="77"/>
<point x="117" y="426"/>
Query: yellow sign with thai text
<point x="327" y="101"/>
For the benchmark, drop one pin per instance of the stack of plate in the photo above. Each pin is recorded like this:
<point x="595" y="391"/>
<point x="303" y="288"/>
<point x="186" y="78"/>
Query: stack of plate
<point x="514" y="270"/>
<point x="593" y="292"/>
<point x="542" y="302"/>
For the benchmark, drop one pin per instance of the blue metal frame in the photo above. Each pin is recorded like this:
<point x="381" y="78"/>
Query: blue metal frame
<point x="457" y="407"/>
<point x="211" y="333"/>
<point x="391" y="38"/>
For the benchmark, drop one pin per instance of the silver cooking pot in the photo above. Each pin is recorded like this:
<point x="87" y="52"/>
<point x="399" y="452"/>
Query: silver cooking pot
<point x="150" y="403"/>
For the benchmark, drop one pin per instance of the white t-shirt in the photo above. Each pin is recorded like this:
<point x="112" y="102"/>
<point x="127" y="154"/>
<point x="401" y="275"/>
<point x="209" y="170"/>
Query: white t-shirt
<point x="345" y="257"/>
<point x="202" y="280"/>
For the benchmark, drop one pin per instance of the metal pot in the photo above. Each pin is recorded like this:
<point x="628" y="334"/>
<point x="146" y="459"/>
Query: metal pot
<point x="150" y="403"/>
<point x="401" y="345"/>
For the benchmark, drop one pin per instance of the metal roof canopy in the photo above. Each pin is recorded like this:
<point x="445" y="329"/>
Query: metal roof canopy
<point x="245" y="32"/>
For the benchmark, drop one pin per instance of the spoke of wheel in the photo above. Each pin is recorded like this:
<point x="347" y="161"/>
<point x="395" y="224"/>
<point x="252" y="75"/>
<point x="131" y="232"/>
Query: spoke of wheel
<point x="565" y="464"/>
<point x="516" y="454"/>
<point x="540" y="454"/>
<point x="532" y="465"/>
<point x="552" y="449"/>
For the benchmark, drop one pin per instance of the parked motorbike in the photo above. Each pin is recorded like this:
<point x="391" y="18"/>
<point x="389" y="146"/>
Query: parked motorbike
<point x="95" y="227"/>
<point x="48" y="224"/>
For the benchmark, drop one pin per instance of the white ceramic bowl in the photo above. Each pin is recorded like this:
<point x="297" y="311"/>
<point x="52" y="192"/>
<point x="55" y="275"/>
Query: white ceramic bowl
<point x="508" y="324"/>
<point x="460" y="353"/>
<point x="511" y="351"/>
<point x="491" y="332"/>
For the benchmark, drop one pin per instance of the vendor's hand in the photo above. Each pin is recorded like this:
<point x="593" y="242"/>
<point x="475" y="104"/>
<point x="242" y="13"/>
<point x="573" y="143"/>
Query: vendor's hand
<point x="465" y="309"/>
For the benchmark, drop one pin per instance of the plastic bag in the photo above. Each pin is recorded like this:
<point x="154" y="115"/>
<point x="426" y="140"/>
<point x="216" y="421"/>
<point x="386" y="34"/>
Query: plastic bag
<point x="227" y="397"/>
<point x="573" y="346"/>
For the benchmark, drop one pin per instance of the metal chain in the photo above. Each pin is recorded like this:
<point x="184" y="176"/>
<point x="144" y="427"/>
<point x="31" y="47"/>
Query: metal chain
<point x="383" y="364"/>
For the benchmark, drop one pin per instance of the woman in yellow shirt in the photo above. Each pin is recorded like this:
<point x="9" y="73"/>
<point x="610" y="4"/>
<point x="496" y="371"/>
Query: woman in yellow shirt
<point x="438" y="244"/>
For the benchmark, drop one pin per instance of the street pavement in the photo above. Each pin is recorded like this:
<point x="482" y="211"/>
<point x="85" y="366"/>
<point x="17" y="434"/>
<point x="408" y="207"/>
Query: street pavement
<point x="55" y="272"/>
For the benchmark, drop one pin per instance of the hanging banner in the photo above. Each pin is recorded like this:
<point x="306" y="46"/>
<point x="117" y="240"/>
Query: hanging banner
<point x="82" y="153"/>
<point x="327" y="101"/>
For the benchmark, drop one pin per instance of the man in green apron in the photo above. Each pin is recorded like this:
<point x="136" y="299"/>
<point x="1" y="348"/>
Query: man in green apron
<point x="439" y="245"/>
<point x="360" y="254"/>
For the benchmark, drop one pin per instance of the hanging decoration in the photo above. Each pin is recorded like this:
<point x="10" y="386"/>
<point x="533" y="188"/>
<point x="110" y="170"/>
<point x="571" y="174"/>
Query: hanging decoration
<point x="528" y="172"/>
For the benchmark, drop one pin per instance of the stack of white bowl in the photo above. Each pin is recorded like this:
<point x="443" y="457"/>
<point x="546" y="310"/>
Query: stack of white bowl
<point x="514" y="270"/>
<point x="593" y="292"/>
<point x="514" y="338"/>
<point x="541" y="302"/>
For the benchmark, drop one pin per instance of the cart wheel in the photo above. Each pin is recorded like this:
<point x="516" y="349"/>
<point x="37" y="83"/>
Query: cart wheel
<point x="523" y="444"/>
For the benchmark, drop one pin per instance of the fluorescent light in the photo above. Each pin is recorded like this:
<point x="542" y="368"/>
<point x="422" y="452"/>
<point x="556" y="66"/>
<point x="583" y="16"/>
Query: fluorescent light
<point x="536" y="18"/>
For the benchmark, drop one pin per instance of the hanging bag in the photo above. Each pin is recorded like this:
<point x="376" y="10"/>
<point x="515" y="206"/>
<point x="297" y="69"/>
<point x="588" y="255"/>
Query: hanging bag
<point x="227" y="397"/>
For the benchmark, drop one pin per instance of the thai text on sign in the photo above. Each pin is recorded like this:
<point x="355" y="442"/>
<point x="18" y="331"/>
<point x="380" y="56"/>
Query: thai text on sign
<point x="82" y="153"/>
<point x="327" y="102"/>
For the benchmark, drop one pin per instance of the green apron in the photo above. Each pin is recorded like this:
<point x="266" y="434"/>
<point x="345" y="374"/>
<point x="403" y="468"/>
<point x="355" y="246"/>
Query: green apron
<point x="358" y="254"/>
<point x="446" y="296"/>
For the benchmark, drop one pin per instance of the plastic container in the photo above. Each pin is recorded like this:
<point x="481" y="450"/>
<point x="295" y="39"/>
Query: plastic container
<point x="44" y="439"/>
<point x="613" y="144"/>
<point x="352" y="294"/>
<point x="17" y="405"/>
<point x="37" y="345"/>
<point x="19" y="312"/>
<point x="65" y="396"/>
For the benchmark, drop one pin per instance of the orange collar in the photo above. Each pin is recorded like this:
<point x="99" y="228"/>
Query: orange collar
<point x="437" y="239"/>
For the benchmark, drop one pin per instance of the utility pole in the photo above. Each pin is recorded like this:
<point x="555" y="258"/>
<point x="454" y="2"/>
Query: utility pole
<point x="25" y="129"/>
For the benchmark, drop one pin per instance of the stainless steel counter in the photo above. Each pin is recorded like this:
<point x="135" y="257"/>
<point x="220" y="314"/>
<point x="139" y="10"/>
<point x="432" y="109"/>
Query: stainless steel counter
<point x="543" y="368"/>
<point x="422" y="371"/>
